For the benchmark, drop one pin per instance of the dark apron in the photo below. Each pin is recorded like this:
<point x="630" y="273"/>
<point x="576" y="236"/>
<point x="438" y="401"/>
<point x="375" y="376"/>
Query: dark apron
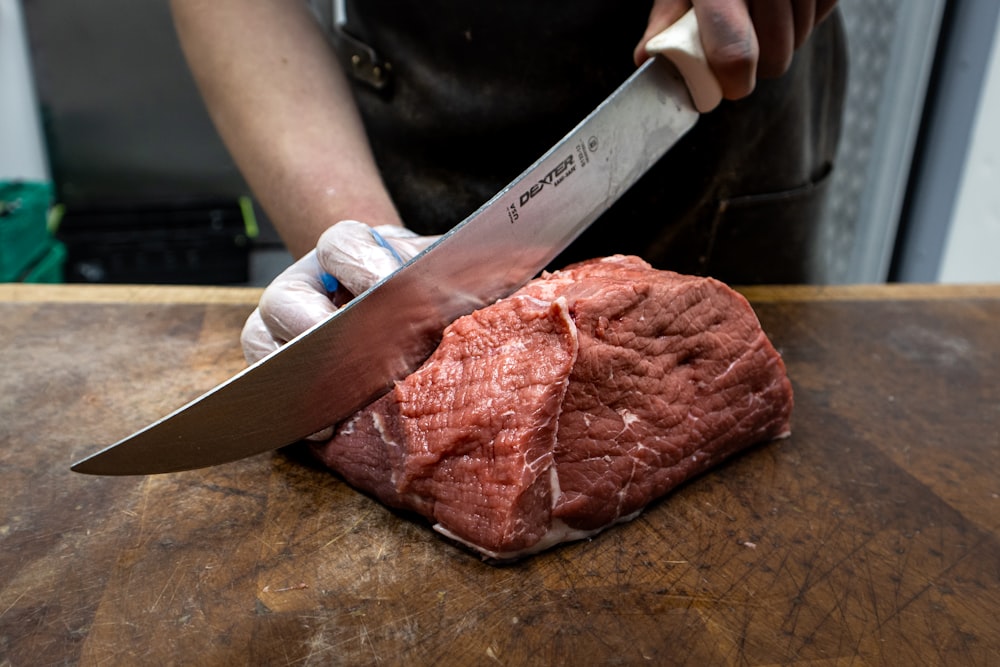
<point x="459" y="98"/>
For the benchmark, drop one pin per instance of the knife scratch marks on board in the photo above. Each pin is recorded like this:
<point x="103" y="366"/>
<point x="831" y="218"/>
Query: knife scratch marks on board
<point x="317" y="645"/>
<point x="343" y="533"/>
<point x="352" y="638"/>
<point x="346" y="648"/>
<point x="295" y="587"/>
<point x="13" y="604"/>
<point x="166" y="585"/>
<point x="365" y="638"/>
<point x="141" y="510"/>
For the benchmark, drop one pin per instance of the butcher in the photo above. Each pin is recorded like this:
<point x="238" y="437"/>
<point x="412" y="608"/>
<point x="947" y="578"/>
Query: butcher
<point x="365" y="133"/>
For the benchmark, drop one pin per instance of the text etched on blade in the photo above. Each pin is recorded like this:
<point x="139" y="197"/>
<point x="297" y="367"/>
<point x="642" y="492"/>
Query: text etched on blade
<point x="579" y="157"/>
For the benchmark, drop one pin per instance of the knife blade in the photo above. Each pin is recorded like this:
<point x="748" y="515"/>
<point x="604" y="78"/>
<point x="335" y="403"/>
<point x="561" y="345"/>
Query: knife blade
<point x="343" y="363"/>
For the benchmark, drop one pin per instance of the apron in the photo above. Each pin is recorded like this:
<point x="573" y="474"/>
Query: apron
<point x="458" y="98"/>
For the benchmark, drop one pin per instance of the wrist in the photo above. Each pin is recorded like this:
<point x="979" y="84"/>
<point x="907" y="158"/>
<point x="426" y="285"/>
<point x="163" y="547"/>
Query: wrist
<point x="306" y="211"/>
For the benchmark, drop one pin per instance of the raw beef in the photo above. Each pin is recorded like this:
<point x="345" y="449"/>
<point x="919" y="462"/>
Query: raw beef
<point x="569" y="406"/>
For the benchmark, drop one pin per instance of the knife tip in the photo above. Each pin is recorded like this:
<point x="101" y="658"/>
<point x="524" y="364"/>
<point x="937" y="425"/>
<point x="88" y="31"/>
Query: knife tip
<point x="82" y="467"/>
<point x="93" y="465"/>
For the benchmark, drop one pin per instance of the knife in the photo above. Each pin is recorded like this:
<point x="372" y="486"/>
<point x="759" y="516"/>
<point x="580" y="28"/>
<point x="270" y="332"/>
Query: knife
<point x="343" y="363"/>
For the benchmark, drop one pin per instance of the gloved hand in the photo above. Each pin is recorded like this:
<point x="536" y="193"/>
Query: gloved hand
<point x="349" y="256"/>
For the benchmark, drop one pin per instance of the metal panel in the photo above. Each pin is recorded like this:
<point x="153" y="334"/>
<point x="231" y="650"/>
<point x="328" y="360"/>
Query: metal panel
<point x="891" y="49"/>
<point x="23" y="153"/>
<point x="941" y="165"/>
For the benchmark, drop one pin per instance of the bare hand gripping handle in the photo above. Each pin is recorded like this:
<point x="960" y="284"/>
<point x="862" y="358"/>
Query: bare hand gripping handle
<point x="681" y="45"/>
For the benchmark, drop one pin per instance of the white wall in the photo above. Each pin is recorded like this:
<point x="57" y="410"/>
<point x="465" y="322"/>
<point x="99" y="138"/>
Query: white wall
<point x="972" y="245"/>
<point x="22" y="149"/>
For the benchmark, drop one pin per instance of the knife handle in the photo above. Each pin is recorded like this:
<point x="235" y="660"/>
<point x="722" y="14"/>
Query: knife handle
<point x="681" y="45"/>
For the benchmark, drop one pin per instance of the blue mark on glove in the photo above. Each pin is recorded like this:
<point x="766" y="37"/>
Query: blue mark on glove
<point x="329" y="282"/>
<point x="385" y="244"/>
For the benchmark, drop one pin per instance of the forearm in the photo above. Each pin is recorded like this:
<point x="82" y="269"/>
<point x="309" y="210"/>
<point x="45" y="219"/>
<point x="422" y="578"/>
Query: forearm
<point x="284" y="110"/>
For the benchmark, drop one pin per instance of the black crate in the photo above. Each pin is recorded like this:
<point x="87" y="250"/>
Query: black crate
<point x="188" y="243"/>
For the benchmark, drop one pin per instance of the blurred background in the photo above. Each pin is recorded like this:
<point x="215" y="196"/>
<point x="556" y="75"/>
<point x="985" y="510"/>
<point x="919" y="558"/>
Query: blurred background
<point x="97" y="109"/>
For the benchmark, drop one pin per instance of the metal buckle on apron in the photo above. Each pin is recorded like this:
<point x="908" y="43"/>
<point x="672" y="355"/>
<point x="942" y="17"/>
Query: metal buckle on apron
<point x="361" y="61"/>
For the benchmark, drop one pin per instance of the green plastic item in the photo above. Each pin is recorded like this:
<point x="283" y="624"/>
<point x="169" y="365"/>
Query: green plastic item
<point x="49" y="269"/>
<point x="25" y="239"/>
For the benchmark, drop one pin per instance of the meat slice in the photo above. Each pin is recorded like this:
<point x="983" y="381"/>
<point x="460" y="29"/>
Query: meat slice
<point x="569" y="406"/>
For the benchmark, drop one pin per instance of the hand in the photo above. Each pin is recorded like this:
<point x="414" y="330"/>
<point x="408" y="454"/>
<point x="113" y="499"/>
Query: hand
<point x="349" y="255"/>
<point x="743" y="39"/>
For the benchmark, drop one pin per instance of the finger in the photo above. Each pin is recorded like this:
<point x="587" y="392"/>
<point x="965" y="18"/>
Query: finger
<point x="405" y="243"/>
<point x="256" y="340"/>
<point x="350" y="252"/>
<point x="823" y="9"/>
<point x="774" y="22"/>
<point x="395" y="232"/>
<point x="296" y="300"/>
<point x="663" y="15"/>
<point x="804" y="17"/>
<point x="731" y="45"/>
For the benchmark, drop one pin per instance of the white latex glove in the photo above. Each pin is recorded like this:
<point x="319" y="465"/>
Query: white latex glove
<point x="355" y="255"/>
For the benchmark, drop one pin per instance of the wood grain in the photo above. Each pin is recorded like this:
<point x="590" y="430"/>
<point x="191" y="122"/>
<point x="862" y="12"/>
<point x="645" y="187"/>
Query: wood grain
<point x="870" y="537"/>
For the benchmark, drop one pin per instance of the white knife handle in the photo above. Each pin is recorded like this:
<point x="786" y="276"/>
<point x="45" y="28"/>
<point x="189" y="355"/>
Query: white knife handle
<point x="681" y="44"/>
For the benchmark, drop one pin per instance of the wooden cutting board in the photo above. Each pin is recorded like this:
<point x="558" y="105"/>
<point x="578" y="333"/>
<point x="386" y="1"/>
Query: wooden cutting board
<point x="871" y="536"/>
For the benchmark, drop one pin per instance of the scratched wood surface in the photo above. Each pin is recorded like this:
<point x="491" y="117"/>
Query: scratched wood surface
<point x="870" y="537"/>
